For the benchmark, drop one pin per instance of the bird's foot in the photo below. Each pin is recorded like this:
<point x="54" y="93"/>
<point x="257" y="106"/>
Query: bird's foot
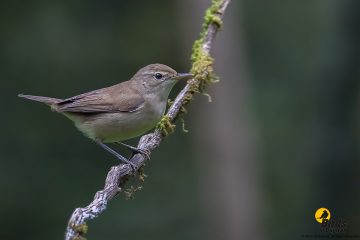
<point x="144" y="152"/>
<point x="117" y="155"/>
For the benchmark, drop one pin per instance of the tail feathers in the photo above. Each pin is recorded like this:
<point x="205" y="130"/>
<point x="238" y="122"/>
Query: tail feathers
<point x="46" y="100"/>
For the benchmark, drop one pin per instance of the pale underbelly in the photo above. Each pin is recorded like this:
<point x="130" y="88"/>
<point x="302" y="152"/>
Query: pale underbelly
<point x="114" y="127"/>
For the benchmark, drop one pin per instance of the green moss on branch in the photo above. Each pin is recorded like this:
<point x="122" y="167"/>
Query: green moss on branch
<point x="165" y="125"/>
<point x="202" y="62"/>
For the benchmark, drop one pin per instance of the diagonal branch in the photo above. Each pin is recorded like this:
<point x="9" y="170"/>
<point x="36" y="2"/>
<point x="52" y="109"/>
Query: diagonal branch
<point x="118" y="175"/>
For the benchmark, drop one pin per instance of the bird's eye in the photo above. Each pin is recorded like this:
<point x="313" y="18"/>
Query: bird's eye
<point x="158" y="76"/>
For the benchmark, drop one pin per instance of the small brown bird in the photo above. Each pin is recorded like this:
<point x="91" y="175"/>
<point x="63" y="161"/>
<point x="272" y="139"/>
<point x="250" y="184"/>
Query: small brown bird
<point x="120" y="112"/>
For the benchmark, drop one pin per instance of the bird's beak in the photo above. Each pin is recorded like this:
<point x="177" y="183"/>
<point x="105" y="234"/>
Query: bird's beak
<point x="185" y="76"/>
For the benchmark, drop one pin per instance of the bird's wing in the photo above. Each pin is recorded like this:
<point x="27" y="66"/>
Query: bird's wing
<point x="106" y="100"/>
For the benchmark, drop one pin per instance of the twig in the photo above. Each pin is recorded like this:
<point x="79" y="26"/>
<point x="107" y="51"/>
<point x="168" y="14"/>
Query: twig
<point x="118" y="175"/>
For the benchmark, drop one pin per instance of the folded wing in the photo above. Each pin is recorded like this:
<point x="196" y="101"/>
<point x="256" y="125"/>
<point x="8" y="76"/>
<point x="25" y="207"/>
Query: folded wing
<point x="105" y="100"/>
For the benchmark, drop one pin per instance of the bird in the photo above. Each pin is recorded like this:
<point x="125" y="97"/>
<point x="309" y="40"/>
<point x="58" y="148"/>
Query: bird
<point x="324" y="215"/>
<point x="122" y="111"/>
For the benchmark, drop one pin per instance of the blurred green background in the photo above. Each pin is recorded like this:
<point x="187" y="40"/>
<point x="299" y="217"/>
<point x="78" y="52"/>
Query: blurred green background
<point x="279" y="140"/>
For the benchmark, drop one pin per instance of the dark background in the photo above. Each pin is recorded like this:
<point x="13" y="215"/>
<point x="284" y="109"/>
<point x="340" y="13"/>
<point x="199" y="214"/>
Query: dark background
<point x="279" y="140"/>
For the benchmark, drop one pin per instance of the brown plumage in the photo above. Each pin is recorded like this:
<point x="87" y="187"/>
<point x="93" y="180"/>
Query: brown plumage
<point x="122" y="111"/>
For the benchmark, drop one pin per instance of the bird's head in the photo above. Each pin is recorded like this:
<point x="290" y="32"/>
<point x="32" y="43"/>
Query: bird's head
<point x="159" y="78"/>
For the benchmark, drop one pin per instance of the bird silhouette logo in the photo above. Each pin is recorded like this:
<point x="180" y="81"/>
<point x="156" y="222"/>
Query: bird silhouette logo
<point x="322" y="215"/>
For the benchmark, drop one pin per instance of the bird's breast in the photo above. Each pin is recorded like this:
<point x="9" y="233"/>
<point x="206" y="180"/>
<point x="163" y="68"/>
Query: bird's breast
<point x="114" y="127"/>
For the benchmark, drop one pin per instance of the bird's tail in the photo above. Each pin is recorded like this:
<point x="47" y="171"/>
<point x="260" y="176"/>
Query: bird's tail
<point x="46" y="100"/>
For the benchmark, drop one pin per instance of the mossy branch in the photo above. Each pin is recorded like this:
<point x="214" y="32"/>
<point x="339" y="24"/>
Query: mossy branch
<point x="202" y="68"/>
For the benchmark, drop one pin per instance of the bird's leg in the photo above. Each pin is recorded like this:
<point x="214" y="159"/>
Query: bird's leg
<point x="136" y="150"/>
<point x="116" y="154"/>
